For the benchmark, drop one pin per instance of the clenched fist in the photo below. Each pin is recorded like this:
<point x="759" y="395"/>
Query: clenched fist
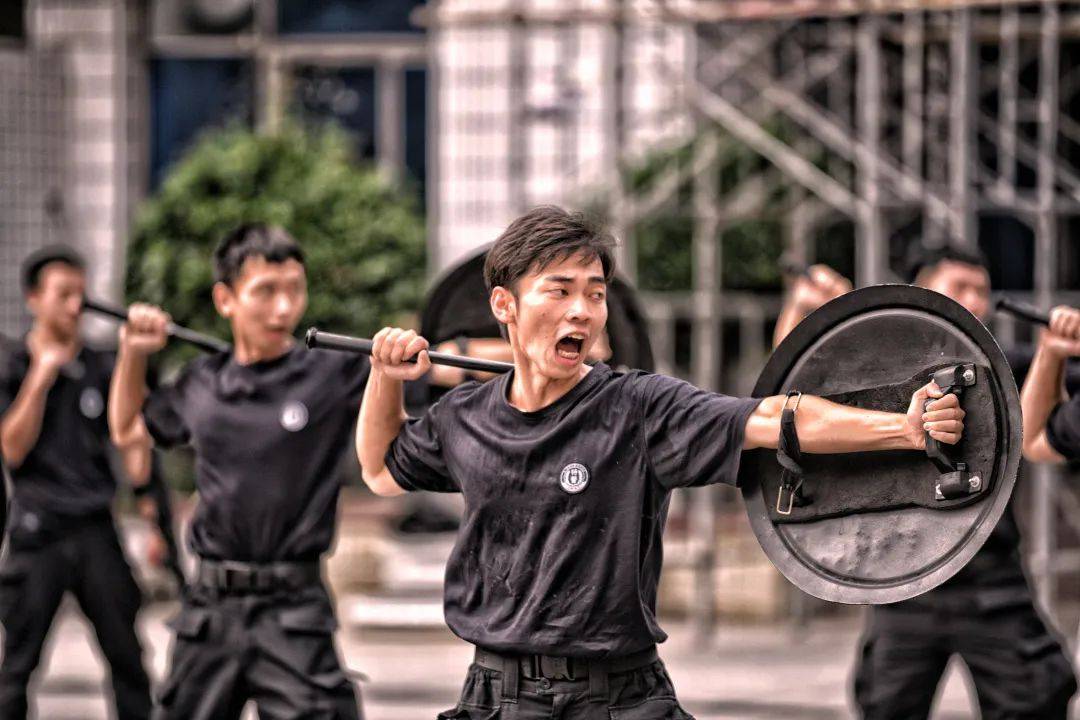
<point x="146" y="330"/>
<point x="391" y="350"/>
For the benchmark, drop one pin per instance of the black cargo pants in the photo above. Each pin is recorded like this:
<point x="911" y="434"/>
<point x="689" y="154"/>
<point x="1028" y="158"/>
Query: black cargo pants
<point x="45" y="558"/>
<point x="1016" y="663"/>
<point x="642" y="693"/>
<point x="276" y="649"/>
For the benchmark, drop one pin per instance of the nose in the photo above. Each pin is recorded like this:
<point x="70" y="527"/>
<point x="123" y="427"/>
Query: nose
<point x="283" y="304"/>
<point x="578" y="309"/>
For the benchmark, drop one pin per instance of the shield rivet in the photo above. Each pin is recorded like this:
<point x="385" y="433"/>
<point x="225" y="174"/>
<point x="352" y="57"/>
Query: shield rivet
<point x="969" y="376"/>
<point x="975" y="482"/>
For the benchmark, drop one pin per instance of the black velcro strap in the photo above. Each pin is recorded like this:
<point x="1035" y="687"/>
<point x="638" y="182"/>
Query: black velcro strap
<point x="788" y="453"/>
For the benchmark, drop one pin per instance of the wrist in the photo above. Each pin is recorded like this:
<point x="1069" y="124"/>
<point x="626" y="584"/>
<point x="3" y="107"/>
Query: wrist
<point x="43" y="374"/>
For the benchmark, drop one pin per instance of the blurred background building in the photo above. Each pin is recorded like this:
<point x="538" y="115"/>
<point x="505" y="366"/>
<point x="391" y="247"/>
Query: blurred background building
<point x="717" y="136"/>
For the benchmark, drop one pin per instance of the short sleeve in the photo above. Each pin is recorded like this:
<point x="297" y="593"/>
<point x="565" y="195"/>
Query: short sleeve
<point x="9" y="387"/>
<point x="415" y="458"/>
<point x="355" y="377"/>
<point x="692" y="437"/>
<point x="163" y="413"/>
<point x="1063" y="428"/>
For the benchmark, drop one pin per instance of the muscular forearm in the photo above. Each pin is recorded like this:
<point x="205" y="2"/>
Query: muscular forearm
<point x="1043" y="390"/>
<point x="127" y="393"/>
<point x="21" y="425"/>
<point x="382" y="413"/>
<point x="827" y="427"/>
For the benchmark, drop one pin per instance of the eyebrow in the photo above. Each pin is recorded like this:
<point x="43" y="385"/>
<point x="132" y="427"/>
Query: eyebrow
<point x="567" y="279"/>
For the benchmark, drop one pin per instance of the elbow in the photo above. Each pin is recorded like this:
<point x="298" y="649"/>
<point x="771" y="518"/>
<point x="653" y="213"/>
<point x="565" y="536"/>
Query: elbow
<point x="129" y="437"/>
<point x="1037" y="449"/>
<point x="382" y="483"/>
<point x="12" y="454"/>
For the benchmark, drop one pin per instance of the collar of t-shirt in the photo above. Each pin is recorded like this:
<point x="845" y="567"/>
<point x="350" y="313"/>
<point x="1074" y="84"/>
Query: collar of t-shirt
<point x="599" y="372"/>
<point x="238" y="380"/>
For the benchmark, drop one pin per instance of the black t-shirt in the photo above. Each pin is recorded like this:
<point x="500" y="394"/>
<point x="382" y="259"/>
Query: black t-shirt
<point x="267" y="439"/>
<point x="67" y="472"/>
<point x="1063" y="428"/>
<point x="559" y="550"/>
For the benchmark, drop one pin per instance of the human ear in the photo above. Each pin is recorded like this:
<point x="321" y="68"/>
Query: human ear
<point x="503" y="305"/>
<point x="223" y="299"/>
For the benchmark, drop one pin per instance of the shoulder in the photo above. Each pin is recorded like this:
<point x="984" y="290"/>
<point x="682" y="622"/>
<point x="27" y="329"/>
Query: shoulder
<point x="201" y="368"/>
<point x="646" y="385"/>
<point x="12" y="355"/>
<point x="470" y="393"/>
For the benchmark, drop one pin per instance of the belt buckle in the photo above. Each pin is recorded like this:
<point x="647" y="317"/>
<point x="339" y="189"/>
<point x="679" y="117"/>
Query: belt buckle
<point x="235" y="576"/>
<point x="554" y="668"/>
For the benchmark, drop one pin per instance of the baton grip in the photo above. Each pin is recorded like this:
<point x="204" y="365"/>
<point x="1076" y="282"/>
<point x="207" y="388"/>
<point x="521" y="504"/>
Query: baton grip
<point x="316" y="338"/>
<point x="198" y="339"/>
<point x="1023" y="311"/>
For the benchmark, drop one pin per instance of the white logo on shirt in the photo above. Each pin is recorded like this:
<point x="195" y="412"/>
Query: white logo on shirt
<point x="574" y="478"/>
<point x="91" y="404"/>
<point x="294" y="416"/>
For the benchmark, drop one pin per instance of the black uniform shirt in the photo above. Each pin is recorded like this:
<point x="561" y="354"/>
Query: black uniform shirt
<point x="267" y="439"/>
<point x="559" y="550"/>
<point x="67" y="472"/>
<point x="1063" y="428"/>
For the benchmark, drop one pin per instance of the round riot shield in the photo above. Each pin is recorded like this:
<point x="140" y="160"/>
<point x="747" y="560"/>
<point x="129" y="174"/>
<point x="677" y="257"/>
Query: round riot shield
<point x="879" y="527"/>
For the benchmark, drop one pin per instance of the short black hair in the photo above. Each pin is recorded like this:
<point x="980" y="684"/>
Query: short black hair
<point x="36" y="261"/>
<point x="542" y="236"/>
<point x="923" y="259"/>
<point x="271" y="242"/>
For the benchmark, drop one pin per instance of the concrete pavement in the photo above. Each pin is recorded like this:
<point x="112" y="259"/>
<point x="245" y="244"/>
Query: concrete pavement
<point x="751" y="671"/>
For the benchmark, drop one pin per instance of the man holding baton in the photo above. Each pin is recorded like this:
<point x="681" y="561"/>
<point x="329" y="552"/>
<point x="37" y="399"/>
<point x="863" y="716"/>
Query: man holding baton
<point x="1051" y="417"/>
<point x="269" y="422"/>
<point x="566" y="471"/>
<point x="61" y="536"/>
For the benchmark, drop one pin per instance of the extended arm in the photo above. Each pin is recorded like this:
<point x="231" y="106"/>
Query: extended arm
<point x="827" y="427"/>
<point x="382" y="412"/>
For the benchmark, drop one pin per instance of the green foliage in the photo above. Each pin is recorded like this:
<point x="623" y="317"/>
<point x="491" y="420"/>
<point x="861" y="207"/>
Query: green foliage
<point x="750" y="248"/>
<point x="363" y="238"/>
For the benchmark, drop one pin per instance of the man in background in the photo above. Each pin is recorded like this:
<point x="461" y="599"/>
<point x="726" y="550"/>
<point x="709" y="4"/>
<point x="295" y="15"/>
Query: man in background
<point x="986" y="612"/>
<point x="61" y="536"/>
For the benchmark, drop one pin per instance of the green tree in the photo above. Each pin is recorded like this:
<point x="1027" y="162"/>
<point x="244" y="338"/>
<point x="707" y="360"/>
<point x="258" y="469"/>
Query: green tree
<point x="363" y="238"/>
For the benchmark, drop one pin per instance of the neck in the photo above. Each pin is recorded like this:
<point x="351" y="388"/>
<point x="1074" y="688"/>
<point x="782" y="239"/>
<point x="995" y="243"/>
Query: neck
<point x="46" y="333"/>
<point x="245" y="353"/>
<point x="531" y="390"/>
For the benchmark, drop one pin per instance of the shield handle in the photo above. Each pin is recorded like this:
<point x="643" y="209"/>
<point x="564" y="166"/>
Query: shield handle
<point x="954" y="482"/>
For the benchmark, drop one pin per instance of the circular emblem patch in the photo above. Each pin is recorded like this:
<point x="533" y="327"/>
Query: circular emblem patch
<point x="91" y="404"/>
<point x="574" y="478"/>
<point x="294" y="416"/>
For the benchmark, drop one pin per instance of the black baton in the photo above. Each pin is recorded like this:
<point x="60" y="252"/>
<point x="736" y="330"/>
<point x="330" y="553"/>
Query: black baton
<point x="318" y="339"/>
<point x="1023" y="311"/>
<point x="198" y="339"/>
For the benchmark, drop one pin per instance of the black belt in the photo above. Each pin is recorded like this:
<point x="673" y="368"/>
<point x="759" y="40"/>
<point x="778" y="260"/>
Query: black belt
<point x="243" y="577"/>
<point x="545" y="668"/>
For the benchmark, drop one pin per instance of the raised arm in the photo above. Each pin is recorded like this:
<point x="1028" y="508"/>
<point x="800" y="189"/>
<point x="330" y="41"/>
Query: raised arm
<point x="808" y="292"/>
<point x="1044" y="386"/>
<point x="142" y="335"/>
<point x="21" y="424"/>
<point x="382" y="412"/>
<point x="827" y="427"/>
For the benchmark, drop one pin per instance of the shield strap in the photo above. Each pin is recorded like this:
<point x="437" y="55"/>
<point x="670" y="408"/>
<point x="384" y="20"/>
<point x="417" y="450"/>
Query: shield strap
<point x="826" y="486"/>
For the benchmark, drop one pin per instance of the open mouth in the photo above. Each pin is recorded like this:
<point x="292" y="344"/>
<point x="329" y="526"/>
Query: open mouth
<point x="569" y="347"/>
